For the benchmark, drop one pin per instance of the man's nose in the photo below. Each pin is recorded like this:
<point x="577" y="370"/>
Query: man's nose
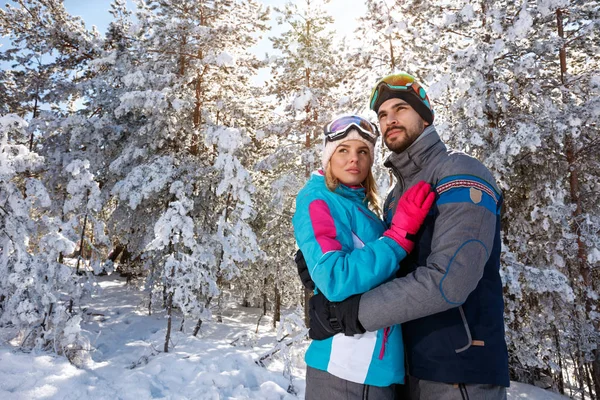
<point x="391" y="119"/>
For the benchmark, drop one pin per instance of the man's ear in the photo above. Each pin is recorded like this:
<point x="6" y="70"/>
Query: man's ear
<point x="425" y="122"/>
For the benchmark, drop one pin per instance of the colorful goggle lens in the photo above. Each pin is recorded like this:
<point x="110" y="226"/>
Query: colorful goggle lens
<point x="398" y="82"/>
<point x="339" y="128"/>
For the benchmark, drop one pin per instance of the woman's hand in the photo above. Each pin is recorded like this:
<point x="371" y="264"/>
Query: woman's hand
<point x="412" y="209"/>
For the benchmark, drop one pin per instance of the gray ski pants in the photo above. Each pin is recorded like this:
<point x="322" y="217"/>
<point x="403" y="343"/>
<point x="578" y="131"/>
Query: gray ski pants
<point x="321" y="385"/>
<point x="428" y="390"/>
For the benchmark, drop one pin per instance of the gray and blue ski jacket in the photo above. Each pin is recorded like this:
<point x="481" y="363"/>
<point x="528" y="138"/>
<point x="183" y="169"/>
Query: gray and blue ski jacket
<point x="448" y="296"/>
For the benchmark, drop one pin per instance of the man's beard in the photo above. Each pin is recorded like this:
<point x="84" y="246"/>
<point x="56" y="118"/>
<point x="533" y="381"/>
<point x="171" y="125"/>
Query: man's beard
<point x="404" y="138"/>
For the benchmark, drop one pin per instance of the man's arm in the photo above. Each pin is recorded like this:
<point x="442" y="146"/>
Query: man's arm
<point x="462" y="241"/>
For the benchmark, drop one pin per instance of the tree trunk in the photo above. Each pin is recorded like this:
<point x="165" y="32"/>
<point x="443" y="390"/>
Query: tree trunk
<point x="124" y="262"/>
<point x="574" y="171"/>
<point x="199" y="323"/>
<point x="169" y="314"/>
<point x="561" y="380"/>
<point x="596" y="372"/>
<point x="81" y="244"/>
<point x="307" y="174"/>
<point x="169" y="322"/>
<point x="82" y="234"/>
<point x="589" y="379"/>
<point x="264" y="296"/>
<point x="197" y="327"/>
<point x="35" y="114"/>
<point x="47" y="317"/>
<point x="392" y="57"/>
<point x="579" y="371"/>
<point x="220" y="298"/>
<point x="114" y="253"/>
<point x="277" y="307"/>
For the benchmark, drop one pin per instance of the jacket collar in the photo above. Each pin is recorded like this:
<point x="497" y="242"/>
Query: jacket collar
<point x="355" y="193"/>
<point x="412" y="160"/>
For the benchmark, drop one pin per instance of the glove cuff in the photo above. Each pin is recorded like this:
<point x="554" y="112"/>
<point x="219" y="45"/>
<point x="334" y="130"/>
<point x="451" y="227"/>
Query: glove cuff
<point x="401" y="237"/>
<point x="347" y="313"/>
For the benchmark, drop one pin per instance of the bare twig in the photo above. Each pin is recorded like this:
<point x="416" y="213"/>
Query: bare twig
<point x="280" y="345"/>
<point x="258" y="323"/>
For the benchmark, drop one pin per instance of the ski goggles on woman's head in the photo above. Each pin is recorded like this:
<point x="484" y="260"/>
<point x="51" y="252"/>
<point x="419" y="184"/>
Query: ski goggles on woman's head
<point x="340" y="127"/>
<point x="401" y="85"/>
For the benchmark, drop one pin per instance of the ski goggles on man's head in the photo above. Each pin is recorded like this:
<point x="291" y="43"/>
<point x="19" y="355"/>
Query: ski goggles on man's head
<point x="403" y="86"/>
<point x="340" y="127"/>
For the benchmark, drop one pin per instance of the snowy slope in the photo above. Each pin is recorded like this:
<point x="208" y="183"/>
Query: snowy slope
<point x="128" y="362"/>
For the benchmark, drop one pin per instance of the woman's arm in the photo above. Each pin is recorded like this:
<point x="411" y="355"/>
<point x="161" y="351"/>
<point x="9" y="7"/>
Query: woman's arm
<point x="340" y="272"/>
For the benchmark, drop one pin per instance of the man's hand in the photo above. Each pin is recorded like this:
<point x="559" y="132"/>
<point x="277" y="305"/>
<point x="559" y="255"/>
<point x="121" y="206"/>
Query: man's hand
<point x="327" y="318"/>
<point x="303" y="271"/>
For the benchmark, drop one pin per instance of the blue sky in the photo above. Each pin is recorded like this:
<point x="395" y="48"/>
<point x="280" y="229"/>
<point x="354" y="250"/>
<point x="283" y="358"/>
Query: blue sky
<point x="95" y="12"/>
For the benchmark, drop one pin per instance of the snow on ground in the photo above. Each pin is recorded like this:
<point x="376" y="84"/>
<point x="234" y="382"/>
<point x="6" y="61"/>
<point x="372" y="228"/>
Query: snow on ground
<point x="128" y="362"/>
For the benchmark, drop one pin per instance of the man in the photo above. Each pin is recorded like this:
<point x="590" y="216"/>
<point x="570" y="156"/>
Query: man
<point x="448" y="296"/>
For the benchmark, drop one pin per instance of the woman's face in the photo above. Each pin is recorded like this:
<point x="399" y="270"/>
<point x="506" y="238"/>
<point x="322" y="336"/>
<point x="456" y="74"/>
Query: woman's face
<point x="351" y="162"/>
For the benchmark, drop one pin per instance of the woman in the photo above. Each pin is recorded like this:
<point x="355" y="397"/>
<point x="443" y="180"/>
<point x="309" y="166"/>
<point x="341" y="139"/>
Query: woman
<point x="348" y="250"/>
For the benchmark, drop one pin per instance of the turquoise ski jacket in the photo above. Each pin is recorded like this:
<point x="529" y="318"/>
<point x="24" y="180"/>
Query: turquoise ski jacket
<point x="346" y="255"/>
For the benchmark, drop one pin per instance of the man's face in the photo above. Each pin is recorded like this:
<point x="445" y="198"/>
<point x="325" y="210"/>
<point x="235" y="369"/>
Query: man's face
<point x="400" y="124"/>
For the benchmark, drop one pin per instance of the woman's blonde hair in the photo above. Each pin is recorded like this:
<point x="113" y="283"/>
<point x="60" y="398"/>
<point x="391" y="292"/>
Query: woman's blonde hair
<point x="371" y="195"/>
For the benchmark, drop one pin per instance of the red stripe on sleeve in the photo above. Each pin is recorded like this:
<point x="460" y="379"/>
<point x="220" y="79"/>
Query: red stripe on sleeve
<point x="323" y="226"/>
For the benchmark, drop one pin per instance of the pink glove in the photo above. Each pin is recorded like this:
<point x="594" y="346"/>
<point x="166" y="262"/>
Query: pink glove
<point x="412" y="209"/>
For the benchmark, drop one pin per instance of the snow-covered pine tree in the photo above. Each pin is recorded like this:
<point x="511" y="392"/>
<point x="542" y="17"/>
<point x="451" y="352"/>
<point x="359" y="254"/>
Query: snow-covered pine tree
<point x="50" y="50"/>
<point x="273" y="282"/>
<point x="184" y="197"/>
<point x="380" y="47"/>
<point x="47" y="47"/>
<point x="303" y="78"/>
<point x="35" y="290"/>
<point x="306" y="73"/>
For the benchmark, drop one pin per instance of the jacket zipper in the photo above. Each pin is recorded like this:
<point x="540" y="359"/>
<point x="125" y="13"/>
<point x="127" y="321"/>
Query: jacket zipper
<point x="366" y="392"/>
<point x="400" y="186"/>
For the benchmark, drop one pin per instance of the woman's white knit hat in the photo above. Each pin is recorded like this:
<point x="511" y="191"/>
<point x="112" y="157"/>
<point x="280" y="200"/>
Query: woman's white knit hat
<point x="330" y="146"/>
